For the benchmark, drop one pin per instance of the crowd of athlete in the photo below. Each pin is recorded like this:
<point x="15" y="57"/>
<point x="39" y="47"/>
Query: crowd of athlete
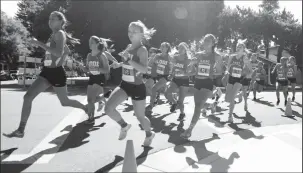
<point x="148" y="73"/>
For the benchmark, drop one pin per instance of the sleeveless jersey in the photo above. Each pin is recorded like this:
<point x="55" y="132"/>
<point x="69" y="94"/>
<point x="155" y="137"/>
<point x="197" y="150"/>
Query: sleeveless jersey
<point x="236" y="67"/>
<point x="205" y="66"/>
<point x="180" y="68"/>
<point x="94" y="63"/>
<point x="129" y="73"/>
<point x="259" y="74"/>
<point x="50" y="60"/>
<point x="281" y="72"/>
<point x="162" y="64"/>
<point x="291" y="72"/>
<point x="151" y="68"/>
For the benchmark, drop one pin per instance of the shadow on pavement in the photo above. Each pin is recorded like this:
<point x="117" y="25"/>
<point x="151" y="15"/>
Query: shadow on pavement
<point x="219" y="165"/>
<point x="248" y="119"/>
<point x="7" y="153"/>
<point x="74" y="139"/>
<point x="294" y="113"/>
<point x="298" y="104"/>
<point x="129" y="107"/>
<point x="267" y="103"/>
<point x="244" y="133"/>
<point x="118" y="159"/>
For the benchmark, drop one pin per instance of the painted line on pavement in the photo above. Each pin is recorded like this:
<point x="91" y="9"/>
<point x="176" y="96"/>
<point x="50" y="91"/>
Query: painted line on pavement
<point x="71" y="119"/>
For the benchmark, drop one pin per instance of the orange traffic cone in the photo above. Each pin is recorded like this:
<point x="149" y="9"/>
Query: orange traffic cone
<point x="130" y="163"/>
<point x="288" y="109"/>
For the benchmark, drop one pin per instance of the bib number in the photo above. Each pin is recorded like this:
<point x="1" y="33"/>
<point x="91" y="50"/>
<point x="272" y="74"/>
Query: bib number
<point x="203" y="70"/>
<point x="179" y="73"/>
<point x="258" y="76"/>
<point x="281" y="76"/>
<point x="47" y="62"/>
<point x="149" y="70"/>
<point x="128" y="73"/>
<point x="289" y="74"/>
<point x="236" y="72"/>
<point x="160" y="69"/>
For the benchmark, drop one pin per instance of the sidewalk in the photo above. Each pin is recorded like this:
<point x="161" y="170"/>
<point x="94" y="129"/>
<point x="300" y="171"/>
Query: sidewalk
<point x="269" y="149"/>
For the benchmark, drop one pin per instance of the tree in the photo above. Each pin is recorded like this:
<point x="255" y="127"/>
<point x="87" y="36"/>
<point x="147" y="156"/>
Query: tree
<point x="13" y="40"/>
<point x="34" y="16"/>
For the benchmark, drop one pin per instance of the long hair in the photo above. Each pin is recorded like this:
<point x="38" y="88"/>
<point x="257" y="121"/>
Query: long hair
<point x="69" y="37"/>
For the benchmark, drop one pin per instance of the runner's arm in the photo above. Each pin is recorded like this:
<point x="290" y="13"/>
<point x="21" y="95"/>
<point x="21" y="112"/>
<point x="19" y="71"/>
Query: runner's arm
<point x="142" y="66"/>
<point x="104" y="61"/>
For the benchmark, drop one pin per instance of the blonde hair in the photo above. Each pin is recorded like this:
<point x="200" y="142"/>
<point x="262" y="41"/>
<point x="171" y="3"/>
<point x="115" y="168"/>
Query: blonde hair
<point x="103" y="46"/>
<point x="148" y="33"/>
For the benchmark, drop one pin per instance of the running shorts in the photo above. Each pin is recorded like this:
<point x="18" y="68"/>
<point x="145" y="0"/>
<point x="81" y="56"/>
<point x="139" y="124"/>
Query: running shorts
<point x="181" y="82"/>
<point x="283" y="82"/>
<point x="136" y="92"/>
<point x="245" y="81"/>
<point x="232" y="80"/>
<point x="204" y="83"/>
<point x="261" y="82"/>
<point x="292" y="80"/>
<point x="55" y="76"/>
<point x="96" y="79"/>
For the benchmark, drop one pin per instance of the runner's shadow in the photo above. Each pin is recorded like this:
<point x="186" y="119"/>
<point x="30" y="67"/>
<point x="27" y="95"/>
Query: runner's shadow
<point x="248" y="119"/>
<point x="157" y="123"/>
<point x="267" y="103"/>
<point x="216" y="120"/>
<point x="298" y="104"/>
<point x="118" y="160"/>
<point x="244" y="133"/>
<point x="7" y="153"/>
<point x="219" y="165"/>
<point x="75" y="139"/>
<point x="174" y="135"/>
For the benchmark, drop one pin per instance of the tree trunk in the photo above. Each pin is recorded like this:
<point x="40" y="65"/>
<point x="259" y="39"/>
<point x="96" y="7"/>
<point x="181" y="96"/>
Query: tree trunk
<point x="280" y="50"/>
<point x="266" y="45"/>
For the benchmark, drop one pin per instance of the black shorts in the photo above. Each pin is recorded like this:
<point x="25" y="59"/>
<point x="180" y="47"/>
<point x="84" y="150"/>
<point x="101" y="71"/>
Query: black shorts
<point x="204" y="83"/>
<point x="162" y="76"/>
<point x="245" y="81"/>
<point x="217" y="81"/>
<point x="292" y="80"/>
<point x="233" y="80"/>
<point x="283" y="82"/>
<point x="260" y="82"/>
<point x="55" y="76"/>
<point x="181" y="82"/>
<point x="136" y="92"/>
<point x="96" y="79"/>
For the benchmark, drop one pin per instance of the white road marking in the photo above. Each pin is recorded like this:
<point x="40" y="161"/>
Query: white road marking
<point x="76" y="116"/>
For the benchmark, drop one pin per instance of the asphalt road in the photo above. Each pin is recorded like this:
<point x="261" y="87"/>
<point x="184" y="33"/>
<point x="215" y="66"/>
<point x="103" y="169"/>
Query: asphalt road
<point x="56" y="141"/>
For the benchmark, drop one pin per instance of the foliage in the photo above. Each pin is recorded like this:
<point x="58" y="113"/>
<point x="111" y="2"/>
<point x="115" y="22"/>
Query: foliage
<point x="13" y="40"/>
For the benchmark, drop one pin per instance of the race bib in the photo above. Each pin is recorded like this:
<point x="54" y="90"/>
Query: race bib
<point x="290" y="73"/>
<point x="149" y="70"/>
<point x="128" y="73"/>
<point x="203" y="70"/>
<point x="179" y="73"/>
<point x="236" y="72"/>
<point x="258" y="76"/>
<point x="95" y="72"/>
<point x="281" y="76"/>
<point x="47" y="62"/>
<point x="160" y="69"/>
<point x="48" y="58"/>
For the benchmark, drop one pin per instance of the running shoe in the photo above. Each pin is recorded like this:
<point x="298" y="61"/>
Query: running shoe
<point x="14" y="134"/>
<point x="148" y="140"/>
<point x="181" y="117"/>
<point x="124" y="131"/>
<point x="173" y="107"/>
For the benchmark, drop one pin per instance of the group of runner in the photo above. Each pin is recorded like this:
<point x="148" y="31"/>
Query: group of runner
<point x="148" y="73"/>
